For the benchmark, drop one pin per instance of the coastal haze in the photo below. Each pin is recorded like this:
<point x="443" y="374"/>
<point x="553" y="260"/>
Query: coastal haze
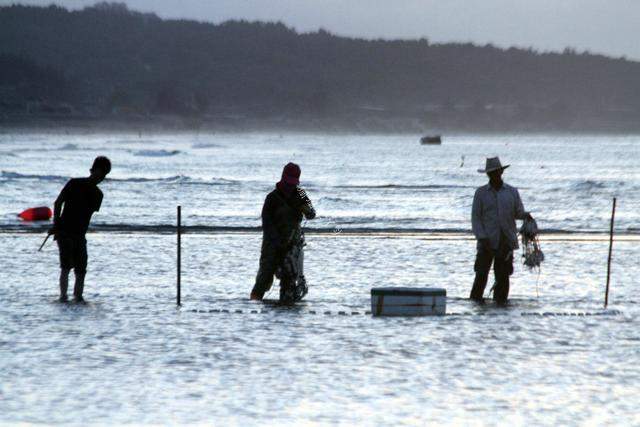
<point x="201" y="112"/>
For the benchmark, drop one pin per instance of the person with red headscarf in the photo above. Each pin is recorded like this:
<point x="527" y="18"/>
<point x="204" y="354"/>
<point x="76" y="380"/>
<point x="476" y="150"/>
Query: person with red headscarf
<point x="283" y="239"/>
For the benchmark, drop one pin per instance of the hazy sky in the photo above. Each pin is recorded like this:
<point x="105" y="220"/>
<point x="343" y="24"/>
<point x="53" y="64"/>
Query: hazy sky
<point x="603" y="26"/>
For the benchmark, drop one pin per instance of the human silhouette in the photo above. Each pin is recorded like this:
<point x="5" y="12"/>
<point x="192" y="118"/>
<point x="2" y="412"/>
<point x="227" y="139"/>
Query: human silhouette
<point x="283" y="239"/>
<point x="496" y="206"/>
<point x="73" y="209"/>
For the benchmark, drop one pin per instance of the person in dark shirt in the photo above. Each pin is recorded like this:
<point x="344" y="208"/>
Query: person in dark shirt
<point x="282" y="239"/>
<point x="80" y="197"/>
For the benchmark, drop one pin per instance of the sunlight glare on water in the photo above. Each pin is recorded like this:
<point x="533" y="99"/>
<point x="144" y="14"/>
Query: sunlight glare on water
<point x="131" y="357"/>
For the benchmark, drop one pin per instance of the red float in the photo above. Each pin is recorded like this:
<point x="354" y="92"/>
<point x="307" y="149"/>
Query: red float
<point x="42" y="213"/>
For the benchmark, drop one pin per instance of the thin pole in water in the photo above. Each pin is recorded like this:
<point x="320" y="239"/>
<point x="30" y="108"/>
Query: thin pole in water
<point x="179" y="253"/>
<point x="613" y="216"/>
<point x="45" y="241"/>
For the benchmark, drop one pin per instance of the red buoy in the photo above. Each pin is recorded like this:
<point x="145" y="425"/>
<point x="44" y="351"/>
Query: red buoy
<point x="42" y="213"/>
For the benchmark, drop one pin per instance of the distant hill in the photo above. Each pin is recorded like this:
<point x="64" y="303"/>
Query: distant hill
<point x="107" y="61"/>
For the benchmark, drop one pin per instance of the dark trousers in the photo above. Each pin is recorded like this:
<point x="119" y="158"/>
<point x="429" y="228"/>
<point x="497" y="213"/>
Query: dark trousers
<point x="502" y="261"/>
<point x="73" y="252"/>
<point x="270" y="259"/>
<point x="73" y="255"/>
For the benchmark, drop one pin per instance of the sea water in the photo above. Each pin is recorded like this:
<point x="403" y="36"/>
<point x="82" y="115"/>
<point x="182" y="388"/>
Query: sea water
<point x="367" y="181"/>
<point x="130" y="356"/>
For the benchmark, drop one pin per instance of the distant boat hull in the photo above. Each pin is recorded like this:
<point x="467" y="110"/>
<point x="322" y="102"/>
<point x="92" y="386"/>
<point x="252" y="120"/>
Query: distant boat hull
<point x="431" y="140"/>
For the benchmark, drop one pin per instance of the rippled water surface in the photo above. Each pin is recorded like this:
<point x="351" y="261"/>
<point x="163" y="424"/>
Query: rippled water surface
<point x="355" y="181"/>
<point x="131" y="357"/>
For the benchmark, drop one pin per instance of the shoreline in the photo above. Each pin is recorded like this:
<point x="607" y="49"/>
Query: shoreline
<point x="424" y="234"/>
<point x="157" y="125"/>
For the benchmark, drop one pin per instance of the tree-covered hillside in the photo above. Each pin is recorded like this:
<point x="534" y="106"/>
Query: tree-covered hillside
<point x="108" y="60"/>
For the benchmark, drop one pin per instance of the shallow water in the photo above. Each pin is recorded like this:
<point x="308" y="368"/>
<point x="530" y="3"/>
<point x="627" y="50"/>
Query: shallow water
<point x="130" y="356"/>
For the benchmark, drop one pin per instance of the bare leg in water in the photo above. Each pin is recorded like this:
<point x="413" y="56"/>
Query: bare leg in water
<point x="79" y="286"/>
<point x="64" y="284"/>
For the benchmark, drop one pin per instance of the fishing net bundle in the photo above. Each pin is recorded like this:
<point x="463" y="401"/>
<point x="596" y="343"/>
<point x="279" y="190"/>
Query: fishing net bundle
<point x="532" y="255"/>
<point x="290" y="263"/>
<point x="290" y="270"/>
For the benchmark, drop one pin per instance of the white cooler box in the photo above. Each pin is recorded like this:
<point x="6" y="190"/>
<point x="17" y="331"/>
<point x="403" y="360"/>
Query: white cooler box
<point x="408" y="301"/>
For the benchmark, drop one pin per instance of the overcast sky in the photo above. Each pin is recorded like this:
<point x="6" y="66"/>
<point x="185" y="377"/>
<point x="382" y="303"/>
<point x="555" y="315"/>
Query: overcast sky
<point x="603" y="26"/>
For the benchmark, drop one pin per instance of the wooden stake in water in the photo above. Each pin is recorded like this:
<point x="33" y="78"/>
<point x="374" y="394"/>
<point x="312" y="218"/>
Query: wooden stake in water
<point x="613" y="216"/>
<point x="179" y="229"/>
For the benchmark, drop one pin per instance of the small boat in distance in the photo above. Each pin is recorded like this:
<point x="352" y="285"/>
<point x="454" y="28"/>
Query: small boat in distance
<point x="431" y="140"/>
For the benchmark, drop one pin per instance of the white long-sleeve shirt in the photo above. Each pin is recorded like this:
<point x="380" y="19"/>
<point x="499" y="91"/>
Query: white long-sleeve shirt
<point x="495" y="212"/>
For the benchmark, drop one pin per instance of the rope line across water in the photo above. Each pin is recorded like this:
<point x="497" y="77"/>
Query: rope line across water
<point x="464" y="313"/>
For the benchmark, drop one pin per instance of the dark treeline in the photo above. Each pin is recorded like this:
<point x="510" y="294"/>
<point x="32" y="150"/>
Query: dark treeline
<point x="107" y="61"/>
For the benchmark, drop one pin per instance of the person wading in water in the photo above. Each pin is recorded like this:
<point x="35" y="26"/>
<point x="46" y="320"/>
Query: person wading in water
<point x="81" y="197"/>
<point x="283" y="239"/>
<point x="496" y="206"/>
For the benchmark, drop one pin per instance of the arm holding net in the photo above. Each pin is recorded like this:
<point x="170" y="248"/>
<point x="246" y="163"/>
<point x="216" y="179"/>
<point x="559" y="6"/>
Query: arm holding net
<point x="306" y="206"/>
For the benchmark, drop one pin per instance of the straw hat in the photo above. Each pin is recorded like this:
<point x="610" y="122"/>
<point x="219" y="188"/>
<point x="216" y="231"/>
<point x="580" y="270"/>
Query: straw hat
<point x="493" y="164"/>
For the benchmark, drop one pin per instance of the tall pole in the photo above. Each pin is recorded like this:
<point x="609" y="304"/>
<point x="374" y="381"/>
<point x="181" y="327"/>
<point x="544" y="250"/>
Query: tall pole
<point x="179" y="253"/>
<point x="613" y="216"/>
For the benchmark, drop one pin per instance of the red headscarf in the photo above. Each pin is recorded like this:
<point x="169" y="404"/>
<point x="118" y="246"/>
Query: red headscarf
<point x="290" y="179"/>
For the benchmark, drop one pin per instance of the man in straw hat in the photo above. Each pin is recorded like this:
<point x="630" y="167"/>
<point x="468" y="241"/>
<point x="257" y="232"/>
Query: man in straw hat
<point x="496" y="206"/>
